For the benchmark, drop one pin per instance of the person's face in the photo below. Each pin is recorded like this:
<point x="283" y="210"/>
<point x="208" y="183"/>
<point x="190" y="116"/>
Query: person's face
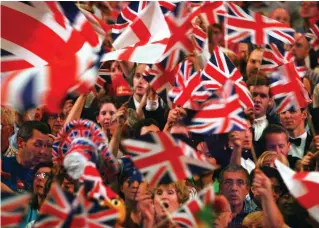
<point x="300" y="49"/>
<point x="37" y="149"/>
<point x="246" y="137"/>
<point x="139" y="83"/>
<point x="261" y="99"/>
<point x="56" y="122"/>
<point x="234" y="187"/>
<point x="115" y="68"/>
<point x="40" y="179"/>
<point x="287" y="204"/>
<point x="131" y="189"/>
<point x="217" y="37"/>
<point x="68" y="185"/>
<point x="165" y="196"/>
<point x="281" y="15"/>
<point x="277" y="142"/>
<point x="6" y="131"/>
<point x="106" y="117"/>
<point x="309" y="9"/>
<point x="254" y="62"/>
<point x="293" y="119"/>
<point x="148" y="129"/>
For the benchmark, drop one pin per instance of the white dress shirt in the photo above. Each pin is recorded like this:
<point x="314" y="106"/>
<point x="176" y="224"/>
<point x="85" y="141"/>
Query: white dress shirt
<point x="259" y="126"/>
<point x="298" y="151"/>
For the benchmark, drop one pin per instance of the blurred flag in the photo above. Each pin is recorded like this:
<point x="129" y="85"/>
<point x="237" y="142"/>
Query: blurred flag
<point x="220" y="114"/>
<point x="287" y="89"/>
<point x="187" y="215"/>
<point x="188" y="91"/>
<point x="251" y="27"/>
<point x="218" y="70"/>
<point x="13" y="208"/>
<point x="304" y="186"/>
<point x="163" y="159"/>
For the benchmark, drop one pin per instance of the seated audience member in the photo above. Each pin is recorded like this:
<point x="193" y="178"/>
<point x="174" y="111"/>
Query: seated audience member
<point x="234" y="185"/>
<point x="34" y="146"/>
<point x="281" y="15"/>
<point x="41" y="186"/>
<point x="268" y="159"/>
<point x="7" y="129"/>
<point x="294" y="122"/>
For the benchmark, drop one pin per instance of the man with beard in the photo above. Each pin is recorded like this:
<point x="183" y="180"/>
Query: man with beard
<point x="34" y="146"/>
<point x="254" y="62"/>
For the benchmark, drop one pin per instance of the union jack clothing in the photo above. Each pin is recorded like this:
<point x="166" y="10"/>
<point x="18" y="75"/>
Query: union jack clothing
<point x="218" y="70"/>
<point x="162" y="159"/>
<point x="251" y="27"/>
<point x="287" y="89"/>
<point x="221" y="114"/>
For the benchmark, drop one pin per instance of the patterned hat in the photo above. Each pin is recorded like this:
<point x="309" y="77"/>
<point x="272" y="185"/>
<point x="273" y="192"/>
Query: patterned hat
<point x="81" y="137"/>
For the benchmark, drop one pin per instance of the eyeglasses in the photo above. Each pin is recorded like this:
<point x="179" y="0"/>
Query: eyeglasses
<point x="56" y="116"/>
<point x="43" y="175"/>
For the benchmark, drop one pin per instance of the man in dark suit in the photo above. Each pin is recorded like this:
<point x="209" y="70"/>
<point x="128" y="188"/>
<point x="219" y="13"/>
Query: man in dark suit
<point x="294" y="122"/>
<point x="151" y="106"/>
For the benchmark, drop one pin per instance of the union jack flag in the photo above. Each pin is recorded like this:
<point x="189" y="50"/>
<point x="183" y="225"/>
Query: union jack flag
<point x="215" y="14"/>
<point x="89" y="213"/>
<point x="56" y="209"/>
<point x="61" y="23"/>
<point x="186" y="215"/>
<point x="13" y="208"/>
<point x="221" y="114"/>
<point x="243" y="26"/>
<point x="287" y="89"/>
<point x="131" y="12"/>
<point x="103" y="79"/>
<point x="218" y="70"/>
<point x="314" y="34"/>
<point x="71" y="47"/>
<point x="162" y="159"/>
<point x="188" y="91"/>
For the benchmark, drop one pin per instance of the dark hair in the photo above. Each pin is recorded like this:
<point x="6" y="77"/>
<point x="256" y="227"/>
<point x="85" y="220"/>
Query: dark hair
<point x="234" y="168"/>
<point x="26" y="130"/>
<point x="104" y="100"/>
<point x="274" y="129"/>
<point x="258" y="79"/>
<point x="137" y="127"/>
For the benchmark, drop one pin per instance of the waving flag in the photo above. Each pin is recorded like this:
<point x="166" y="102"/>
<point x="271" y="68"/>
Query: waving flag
<point x="215" y="14"/>
<point x="144" y="41"/>
<point x="55" y="210"/>
<point x="89" y="213"/>
<point x="131" y="13"/>
<point x="162" y="159"/>
<point x="221" y="114"/>
<point x="57" y="29"/>
<point x="287" y="89"/>
<point x="72" y="50"/>
<point x="188" y="91"/>
<point x="242" y="26"/>
<point x="103" y="79"/>
<point x="314" y="33"/>
<point x="304" y="186"/>
<point x="186" y="215"/>
<point x="218" y="70"/>
<point x="13" y="208"/>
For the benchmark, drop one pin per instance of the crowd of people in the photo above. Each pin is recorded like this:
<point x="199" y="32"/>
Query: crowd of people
<point x="249" y="189"/>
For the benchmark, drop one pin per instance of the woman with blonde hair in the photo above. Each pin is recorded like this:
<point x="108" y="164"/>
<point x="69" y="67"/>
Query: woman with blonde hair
<point x="268" y="158"/>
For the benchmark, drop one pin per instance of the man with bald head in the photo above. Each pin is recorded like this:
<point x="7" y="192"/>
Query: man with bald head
<point x="300" y="49"/>
<point x="281" y="15"/>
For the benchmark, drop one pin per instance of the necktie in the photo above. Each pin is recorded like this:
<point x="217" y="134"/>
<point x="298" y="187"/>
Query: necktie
<point x="296" y="141"/>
